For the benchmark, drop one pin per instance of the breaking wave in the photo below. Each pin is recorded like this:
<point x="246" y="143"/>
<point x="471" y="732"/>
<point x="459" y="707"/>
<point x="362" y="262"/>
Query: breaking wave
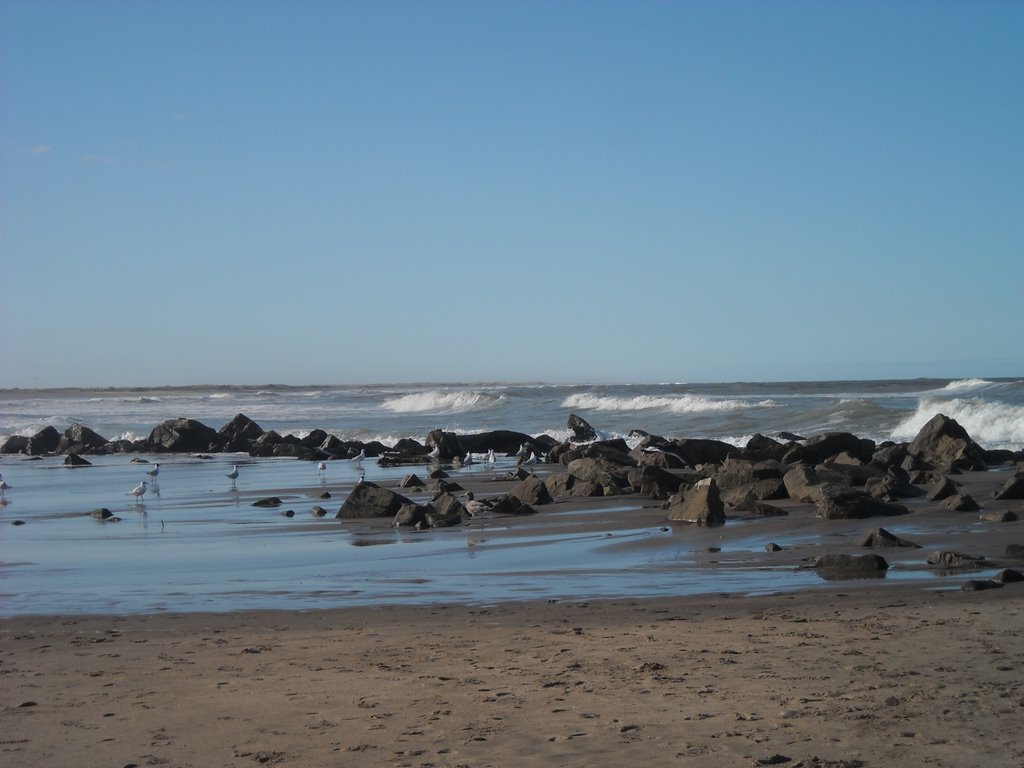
<point x="991" y="425"/>
<point x="437" y="401"/>
<point x="669" y="404"/>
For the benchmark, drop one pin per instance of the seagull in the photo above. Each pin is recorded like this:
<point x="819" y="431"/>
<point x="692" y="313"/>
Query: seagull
<point x="468" y="460"/>
<point x="138" y="491"/>
<point x="321" y="467"/>
<point x="530" y="459"/>
<point x="474" y="507"/>
<point x="3" y="485"/>
<point x="358" y="458"/>
<point x="154" y="471"/>
<point x="233" y="474"/>
<point x="490" y="456"/>
<point x="436" y="453"/>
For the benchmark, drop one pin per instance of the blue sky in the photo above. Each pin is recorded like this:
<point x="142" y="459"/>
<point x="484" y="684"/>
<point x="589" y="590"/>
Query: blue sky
<point x="356" y="192"/>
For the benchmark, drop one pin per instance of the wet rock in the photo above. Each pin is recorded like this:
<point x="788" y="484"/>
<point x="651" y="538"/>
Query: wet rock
<point x="1013" y="488"/>
<point x="74" y="460"/>
<point x="701" y="504"/>
<point x="702" y="451"/>
<point x="43" y="441"/>
<point x="655" y="483"/>
<point x="1003" y="516"/>
<point x="510" y="505"/>
<point x="772" y="547"/>
<point x="843" y="566"/>
<point x="370" y="500"/>
<point x="531" y="491"/>
<point x="845" y="504"/>
<point x="448" y="444"/>
<point x="880" y="538"/>
<point x="1016" y="551"/>
<point x="582" y="432"/>
<point x="947" y="559"/>
<point x="802" y="484"/>
<point x="1009" y="576"/>
<point x="411" y="481"/>
<point x="288" y="513"/>
<point x="501" y="441"/>
<point x="757" y="507"/>
<point x="15" y="444"/>
<point x="318" y="511"/>
<point x="941" y="488"/>
<point x="960" y="502"/>
<point x="942" y="441"/>
<point x="239" y="433"/>
<point x="974" y="585"/>
<point x="817" y="450"/>
<point x="102" y="513"/>
<point x="183" y="436"/>
<point x="269" y="501"/>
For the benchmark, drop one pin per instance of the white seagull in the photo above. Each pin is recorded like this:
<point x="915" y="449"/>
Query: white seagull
<point x="321" y="467"/>
<point x="138" y="491"/>
<point x="468" y="460"/>
<point x="530" y="459"/>
<point x="490" y="456"/>
<point x="3" y="485"/>
<point x="358" y="458"/>
<point x="233" y="474"/>
<point x="523" y="450"/>
<point x="154" y="471"/>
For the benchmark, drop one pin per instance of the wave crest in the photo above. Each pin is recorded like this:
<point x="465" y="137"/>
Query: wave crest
<point x="961" y="386"/>
<point x="440" y="402"/>
<point x="671" y="404"/>
<point x="991" y="425"/>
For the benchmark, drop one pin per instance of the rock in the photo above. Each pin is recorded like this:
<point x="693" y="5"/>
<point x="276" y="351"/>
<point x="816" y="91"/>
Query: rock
<point x="101" y="513"/>
<point x="42" y="442"/>
<point x="531" y="491"/>
<point x="500" y="441"/>
<point x="955" y="560"/>
<point x="772" y="547"/>
<point x="15" y="444"/>
<point x="961" y="502"/>
<point x="880" y="537"/>
<point x="701" y="451"/>
<point x="656" y="483"/>
<point x="974" y="585"/>
<point x="288" y="513"/>
<point x="370" y="500"/>
<point x="1013" y="488"/>
<point x="843" y="566"/>
<point x="1016" y="551"/>
<point x="802" y="484"/>
<point x="701" y="504"/>
<point x="943" y="441"/>
<point x="1009" y="576"/>
<point x="846" y="503"/>
<point x="759" y="490"/>
<point x="601" y="471"/>
<point x="239" y="434"/>
<point x="269" y="501"/>
<point x="74" y="460"/>
<point x="448" y="444"/>
<point x="817" y="450"/>
<point x="941" y="488"/>
<point x="510" y="505"/>
<point x="559" y="484"/>
<point x="756" y="507"/>
<point x="318" y="511"/>
<point x="1004" y="516"/>
<point x="760" y="448"/>
<point x="80" y="439"/>
<point x="582" y="432"/>
<point x="411" y="481"/>
<point x="410" y="515"/>
<point x="183" y="436"/>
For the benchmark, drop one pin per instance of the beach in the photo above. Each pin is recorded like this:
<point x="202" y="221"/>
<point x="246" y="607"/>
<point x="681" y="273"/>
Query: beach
<point x="843" y="677"/>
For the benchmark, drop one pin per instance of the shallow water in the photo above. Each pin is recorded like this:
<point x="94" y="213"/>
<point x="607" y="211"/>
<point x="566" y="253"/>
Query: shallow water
<point x="194" y="543"/>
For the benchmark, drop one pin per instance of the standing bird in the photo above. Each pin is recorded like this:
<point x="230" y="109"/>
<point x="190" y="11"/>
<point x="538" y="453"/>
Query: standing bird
<point x="531" y="458"/>
<point x="491" y="459"/>
<point x="154" y="471"/>
<point x="3" y="485"/>
<point x="321" y="468"/>
<point x="468" y="460"/>
<point x="138" y="491"/>
<point x="233" y="474"/>
<point x="473" y="506"/>
<point x="358" y="458"/>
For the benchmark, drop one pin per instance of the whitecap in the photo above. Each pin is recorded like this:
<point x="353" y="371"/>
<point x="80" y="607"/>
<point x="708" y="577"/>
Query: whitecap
<point x="671" y="404"/>
<point x="962" y="386"/>
<point x="440" y="402"/>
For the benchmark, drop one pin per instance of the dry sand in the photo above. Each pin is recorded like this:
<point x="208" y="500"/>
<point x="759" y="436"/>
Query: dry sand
<point x="873" y="674"/>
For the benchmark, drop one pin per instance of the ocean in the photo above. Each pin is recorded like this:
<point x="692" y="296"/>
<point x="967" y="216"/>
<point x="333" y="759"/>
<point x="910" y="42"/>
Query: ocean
<point x="196" y="543"/>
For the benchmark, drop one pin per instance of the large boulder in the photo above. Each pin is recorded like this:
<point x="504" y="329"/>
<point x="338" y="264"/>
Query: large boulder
<point x="818" y="449"/>
<point x="370" y="500"/>
<point x="701" y="504"/>
<point x="15" y="444"/>
<point x="656" y="483"/>
<point x="448" y="445"/>
<point x="582" y="432"/>
<point x="43" y="441"/>
<point x="1013" y="488"/>
<point x="80" y="439"/>
<point x="601" y="471"/>
<point x="531" y="491"/>
<point x="851" y="566"/>
<point x="499" y="440"/>
<point x="696" y="451"/>
<point x="183" y="436"/>
<point x="881" y="538"/>
<point x="803" y="484"/>
<point x="942" y="441"/>
<point x="239" y="433"/>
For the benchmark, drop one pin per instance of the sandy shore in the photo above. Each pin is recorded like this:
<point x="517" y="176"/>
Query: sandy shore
<point x="875" y="677"/>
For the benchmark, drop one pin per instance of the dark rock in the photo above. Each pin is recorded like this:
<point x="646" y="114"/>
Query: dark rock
<point x="269" y="501"/>
<point x="607" y="474"/>
<point x="559" y="484"/>
<point x="1009" y="576"/>
<point x="101" y="513"/>
<point x="74" y="460"/>
<point x="183" y="436"/>
<point x="701" y="504"/>
<point x="80" y="439"/>
<point x="288" y="513"/>
<point x="448" y="444"/>
<point x="955" y="560"/>
<point x="318" y="511"/>
<point x="803" y="484"/>
<point x="655" y="457"/>
<point x="369" y="500"/>
<point x="1016" y="551"/>
<point x="588" y="489"/>
<point x="15" y="444"/>
<point x="961" y="502"/>
<point x="760" y="508"/>
<point x="701" y="451"/>
<point x="410" y="447"/>
<point x="974" y="585"/>
<point x="1012" y="489"/>
<point x="510" y="505"/>
<point x="845" y="503"/>
<point x="943" y="441"/>
<point x="582" y="432"/>
<point x="843" y="566"/>
<point x="411" y="515"/>
<point x="880" y="537"/>
<point x="789" y="437"/>
<point x="761" y="448"/>
<point x="500" y="441"/>
<point x="941" y="488"/>
<point x="772" y="547"/>
<point x="239" y="434"/>
<point x="656" y="483"/>
<point x="411" y="481"/>
<point x="818" y="449"/>
<point x="42" y="442"/>
<point x="1002" y="516"/>
<point x="891" y="455"/>
<point x="894" y="484"/>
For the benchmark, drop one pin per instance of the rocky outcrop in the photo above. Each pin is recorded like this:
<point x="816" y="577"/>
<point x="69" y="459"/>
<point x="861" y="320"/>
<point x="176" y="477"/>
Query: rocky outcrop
<point x="183" y="436"/>
<point x="531" y="491"/>
<point x="239" y="434"/>
<point x="448" y="445"/>
<point x="1013" y="488"/>
<point x="80" y="439"/>
<point x="841" y="566"/>
<point x="582" y="432"/>
<point x="942" y="441"/>
<point x="846" y="503"/>
<point x="42" y="442"/>
<point x="881" y="538"/>
<point x="819" y="449"/>
<point x="945" y="559"/>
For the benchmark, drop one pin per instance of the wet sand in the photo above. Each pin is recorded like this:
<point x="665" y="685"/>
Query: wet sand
<point x="870" y="672"/>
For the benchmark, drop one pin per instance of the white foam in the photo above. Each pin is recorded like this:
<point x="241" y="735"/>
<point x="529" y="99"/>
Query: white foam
<point x="963" y="386"/>
<point x="671" y="404"/>
<point x="440" y="402"/>
<point x="991" y="425"/>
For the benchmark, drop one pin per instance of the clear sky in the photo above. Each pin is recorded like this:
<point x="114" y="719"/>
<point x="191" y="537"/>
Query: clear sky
<point x="592" y="191"/>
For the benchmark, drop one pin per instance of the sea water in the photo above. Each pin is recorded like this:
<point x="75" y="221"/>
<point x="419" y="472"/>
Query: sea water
<point x="195" y="542"/>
